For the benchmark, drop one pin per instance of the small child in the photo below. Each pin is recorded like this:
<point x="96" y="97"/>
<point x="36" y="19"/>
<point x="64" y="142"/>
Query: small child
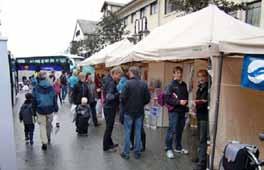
<point x="82" y="117"/>
<point x="27" y="115"/>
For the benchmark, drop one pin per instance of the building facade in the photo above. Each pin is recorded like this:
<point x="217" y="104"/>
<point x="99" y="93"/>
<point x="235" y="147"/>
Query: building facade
<point x="145" y="15"/>
<point x="109" y="6"/>
<point x="84" y="29"/>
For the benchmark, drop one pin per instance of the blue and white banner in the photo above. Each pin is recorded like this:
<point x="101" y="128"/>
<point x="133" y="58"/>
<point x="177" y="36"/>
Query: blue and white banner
<point x="253" y="72"/>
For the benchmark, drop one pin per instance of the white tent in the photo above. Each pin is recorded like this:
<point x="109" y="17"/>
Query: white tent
<point x="101" y="56"/>
<point x="196" y="35"/>
<point x="117" y="54"/>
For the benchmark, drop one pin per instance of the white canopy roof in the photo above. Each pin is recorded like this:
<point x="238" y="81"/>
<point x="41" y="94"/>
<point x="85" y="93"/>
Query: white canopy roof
<point x="196" y="35"/>
<point x="111" y="50"/>
<point x="253" y="45"/>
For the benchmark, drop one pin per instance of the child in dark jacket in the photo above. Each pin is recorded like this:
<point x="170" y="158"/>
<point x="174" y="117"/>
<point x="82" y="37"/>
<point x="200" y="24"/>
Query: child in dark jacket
<point x="83" y="113"/>
<point x="27" y="116"/>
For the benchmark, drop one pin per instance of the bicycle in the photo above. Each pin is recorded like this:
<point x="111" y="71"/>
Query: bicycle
<point x="238" y="156"/>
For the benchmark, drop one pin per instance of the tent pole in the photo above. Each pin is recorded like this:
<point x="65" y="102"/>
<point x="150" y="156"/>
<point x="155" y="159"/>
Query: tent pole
<point x="218" y="92"/>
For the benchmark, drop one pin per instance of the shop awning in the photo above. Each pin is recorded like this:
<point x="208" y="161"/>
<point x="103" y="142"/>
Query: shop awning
<point x="109" y="51"/>
<point x="196" y="35"/>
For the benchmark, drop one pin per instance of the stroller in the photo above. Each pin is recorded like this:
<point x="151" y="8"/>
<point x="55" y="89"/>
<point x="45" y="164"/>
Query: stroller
<point x="81" y="118"/>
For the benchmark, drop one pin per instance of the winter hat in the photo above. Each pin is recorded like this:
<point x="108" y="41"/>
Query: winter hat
<point x="84" y="101"/>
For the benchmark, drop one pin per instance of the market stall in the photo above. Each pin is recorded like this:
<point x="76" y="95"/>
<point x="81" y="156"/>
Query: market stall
<point x="214" y="35"/>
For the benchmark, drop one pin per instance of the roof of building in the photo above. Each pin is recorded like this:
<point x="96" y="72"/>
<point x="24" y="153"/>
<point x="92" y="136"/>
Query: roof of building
<point x="87" y="27"/>
<point x="112" y="3"/>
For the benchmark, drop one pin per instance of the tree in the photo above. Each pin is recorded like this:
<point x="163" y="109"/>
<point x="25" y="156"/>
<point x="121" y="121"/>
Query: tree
<point x="110" y="30"/>
<point x="195" y="5"/>
<point x="74" y="47"/>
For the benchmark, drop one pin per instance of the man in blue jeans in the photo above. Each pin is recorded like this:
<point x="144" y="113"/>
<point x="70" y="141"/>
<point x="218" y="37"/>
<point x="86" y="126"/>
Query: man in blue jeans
<point x="176" y="95"/>
<point x="135" y="96"/>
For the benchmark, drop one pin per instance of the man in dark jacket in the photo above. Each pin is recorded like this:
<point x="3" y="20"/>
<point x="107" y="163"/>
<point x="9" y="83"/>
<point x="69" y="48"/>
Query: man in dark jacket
<point x="45" y="104"/>
<point x="110" y="105"/>
<point x="177" y="97"/>
<point x="81" y="90"/>
<point x="63" y="80"/>
<point x="201" y="104"/>
<point x="135" y="96"/>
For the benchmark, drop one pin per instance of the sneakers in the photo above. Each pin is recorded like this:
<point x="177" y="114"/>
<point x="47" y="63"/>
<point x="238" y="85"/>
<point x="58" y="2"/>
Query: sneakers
<point x="27" y="141"/>
<point x="111" y="150"/>
<point x="44" y="147"/>
<point x="170" y="154"/>
<point x="124" y="156"/>
<point x="182" y="151"/>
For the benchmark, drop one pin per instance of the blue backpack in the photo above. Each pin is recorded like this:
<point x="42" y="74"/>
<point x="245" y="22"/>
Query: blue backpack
<point x="45" y="100"/>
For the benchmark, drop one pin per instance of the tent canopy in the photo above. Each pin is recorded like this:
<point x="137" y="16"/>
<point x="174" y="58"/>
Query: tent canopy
<point x="110" y="50"/>
<point x="196" y="35"/>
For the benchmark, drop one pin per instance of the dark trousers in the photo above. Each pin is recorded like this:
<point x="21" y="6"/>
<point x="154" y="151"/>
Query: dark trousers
<point x="29" y="131"/>
<point x="93" y="110"/>
<point x="202" y="150"/>
<point x="59" y="96"/>
<point x="176" y="126"/>
<point x="64" y="91"/>
<point x="143" y="135"/>
<point x="110" y="120"/>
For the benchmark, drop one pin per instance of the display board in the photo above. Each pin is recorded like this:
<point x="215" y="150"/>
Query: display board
<point x="241" y="113"/>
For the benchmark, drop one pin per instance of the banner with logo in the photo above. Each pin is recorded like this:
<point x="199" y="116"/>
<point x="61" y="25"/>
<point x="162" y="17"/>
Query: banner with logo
<point x="253" y="72"/>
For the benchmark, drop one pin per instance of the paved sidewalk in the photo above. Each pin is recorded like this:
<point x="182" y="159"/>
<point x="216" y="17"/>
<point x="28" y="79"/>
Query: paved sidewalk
<point x="70" y="152"/>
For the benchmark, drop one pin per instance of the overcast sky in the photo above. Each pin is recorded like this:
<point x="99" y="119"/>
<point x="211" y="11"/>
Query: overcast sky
<point x="44" y="27"/>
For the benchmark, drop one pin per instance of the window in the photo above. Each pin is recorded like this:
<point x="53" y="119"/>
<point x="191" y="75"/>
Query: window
<point x="32" y="61"/>
<point x="46" y="61"/>
<point x="21" y="61"/>
<point x="142" y="12"/>
<point x="153" y="8"/>
<point x="169" y="6"/>
<point x="133" y="17"/>
<point x="253" y="13"/>
<point x="125" y="20"/>
<point x="77" y="33"/>
<point x="63" y="60"/>
<point x="52" y="60"/>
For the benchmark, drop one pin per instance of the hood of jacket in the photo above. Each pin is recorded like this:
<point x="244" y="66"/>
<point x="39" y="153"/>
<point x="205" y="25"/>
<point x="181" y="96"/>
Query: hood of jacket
<point x="44" y="84"/>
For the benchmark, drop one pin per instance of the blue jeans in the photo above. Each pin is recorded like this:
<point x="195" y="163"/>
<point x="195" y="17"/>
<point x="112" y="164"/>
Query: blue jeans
<point x="64" y="91"/>
<point x="176" y="126"/>
<point x="128" y="127"/>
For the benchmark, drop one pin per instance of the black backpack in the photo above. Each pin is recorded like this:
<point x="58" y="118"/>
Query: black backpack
<point x="243" y="159"/>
